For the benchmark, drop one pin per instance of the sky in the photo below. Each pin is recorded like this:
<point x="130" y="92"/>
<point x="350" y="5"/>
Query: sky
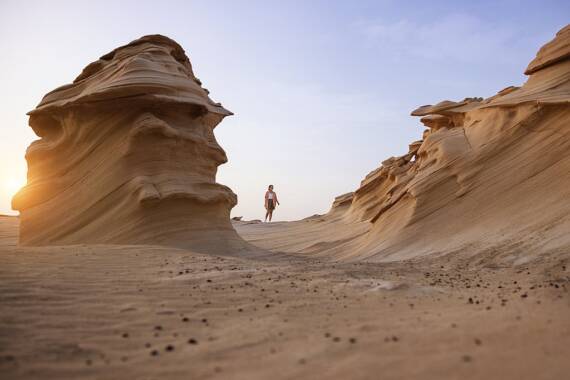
<point x="321" y="90"/>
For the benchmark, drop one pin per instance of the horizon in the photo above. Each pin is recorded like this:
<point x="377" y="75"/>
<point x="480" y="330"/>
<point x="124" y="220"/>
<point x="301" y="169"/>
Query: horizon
<point x="329" y="94"/>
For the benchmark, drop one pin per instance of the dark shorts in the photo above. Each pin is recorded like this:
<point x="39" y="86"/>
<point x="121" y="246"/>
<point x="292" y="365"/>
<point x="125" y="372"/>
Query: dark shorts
<point x="270" y="204"/>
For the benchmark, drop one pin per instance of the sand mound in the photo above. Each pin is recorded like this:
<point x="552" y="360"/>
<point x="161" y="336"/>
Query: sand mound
<point x="128" y="155"/>
<point x="489" y="177"/>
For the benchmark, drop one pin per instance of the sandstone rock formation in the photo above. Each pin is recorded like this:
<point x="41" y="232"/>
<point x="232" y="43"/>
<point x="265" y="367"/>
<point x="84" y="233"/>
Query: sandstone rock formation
<point x="489" y="176"/>
<point x="127" y="155"/>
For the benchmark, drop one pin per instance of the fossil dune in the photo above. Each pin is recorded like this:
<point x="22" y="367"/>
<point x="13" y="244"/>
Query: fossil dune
<point x="127" y="155"/>
<point x="449" y="261"/>
<point x="488" y="176"/>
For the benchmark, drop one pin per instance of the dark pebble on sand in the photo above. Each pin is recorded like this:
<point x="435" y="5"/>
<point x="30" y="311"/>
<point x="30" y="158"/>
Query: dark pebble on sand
<point x="204" y="320"/>
<point x="352" y="340"/>
<point x="470" y="300"/>
<point x="169" y="348"/>
<point x="478" y="341"/>
<point x="154" y="353"/>
<point x="466" y="358"/>
<point x="125" y="335"/>
<point x="336" y="339"/>
<point x="159" y="327"/>
<point x="192" y="341"/>
<point x="185" y="319"/>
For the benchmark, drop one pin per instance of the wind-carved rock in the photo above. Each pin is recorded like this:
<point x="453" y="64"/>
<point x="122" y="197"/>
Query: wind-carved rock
<point x="127" y="155"/>
<point x="488" y="176"/>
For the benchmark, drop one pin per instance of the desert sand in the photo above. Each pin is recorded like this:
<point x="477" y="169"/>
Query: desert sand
<point x="150" y="312"/>
<point x="448" y="262"/>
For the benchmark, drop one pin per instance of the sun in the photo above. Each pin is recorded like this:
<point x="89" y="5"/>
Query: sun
<point x="13" y="185"/>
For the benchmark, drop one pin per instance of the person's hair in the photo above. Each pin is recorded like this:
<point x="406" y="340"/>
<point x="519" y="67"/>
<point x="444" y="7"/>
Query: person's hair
<point x="269" y="187"/>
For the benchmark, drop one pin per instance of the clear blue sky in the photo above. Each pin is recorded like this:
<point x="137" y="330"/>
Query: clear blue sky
<point x="321" y="90"/>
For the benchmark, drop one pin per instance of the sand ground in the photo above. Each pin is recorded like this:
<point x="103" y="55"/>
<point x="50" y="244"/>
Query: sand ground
<point x="142" y="312"/>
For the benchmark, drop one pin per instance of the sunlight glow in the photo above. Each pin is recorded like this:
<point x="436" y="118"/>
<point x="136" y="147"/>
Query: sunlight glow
<point x="13" y="185"/>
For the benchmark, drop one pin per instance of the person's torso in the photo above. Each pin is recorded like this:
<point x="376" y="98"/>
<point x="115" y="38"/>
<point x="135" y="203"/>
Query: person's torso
<point x="270" y="195"/>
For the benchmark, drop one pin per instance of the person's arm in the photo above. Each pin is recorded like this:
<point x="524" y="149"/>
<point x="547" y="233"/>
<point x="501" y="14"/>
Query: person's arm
<point x="266" y="195"/>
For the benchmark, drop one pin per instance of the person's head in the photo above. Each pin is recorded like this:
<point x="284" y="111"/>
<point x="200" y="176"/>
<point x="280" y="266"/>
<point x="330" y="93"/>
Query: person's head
<point x="270" y="188"/>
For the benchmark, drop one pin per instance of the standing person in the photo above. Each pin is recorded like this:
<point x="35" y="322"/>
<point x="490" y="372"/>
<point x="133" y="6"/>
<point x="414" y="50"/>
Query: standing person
<point x="270" y="202"/>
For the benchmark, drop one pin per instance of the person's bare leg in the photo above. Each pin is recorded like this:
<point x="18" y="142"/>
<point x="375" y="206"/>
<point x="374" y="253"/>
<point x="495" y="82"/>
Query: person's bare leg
<point x="266" y="215"/>
<point x="270" y="215"/>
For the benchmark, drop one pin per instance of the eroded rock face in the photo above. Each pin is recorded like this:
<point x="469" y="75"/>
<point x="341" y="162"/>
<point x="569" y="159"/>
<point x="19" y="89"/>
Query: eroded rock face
<point x="489" y="177"/>
<point x="127" y="154"/>
<point x="553" y="52"/>
<point x="488" y="174"/>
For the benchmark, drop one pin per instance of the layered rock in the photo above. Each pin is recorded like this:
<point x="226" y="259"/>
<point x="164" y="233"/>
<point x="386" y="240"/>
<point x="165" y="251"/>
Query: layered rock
<point x="490" y="177"/>
<point x="127" y="154"/>
<point x="552" y="53"/>
<point x="489" y="173"/>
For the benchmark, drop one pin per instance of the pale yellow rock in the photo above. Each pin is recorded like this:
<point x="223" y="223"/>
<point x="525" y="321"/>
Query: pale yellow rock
<point x="127" y="155"/>
<point x="553" y="52"/>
